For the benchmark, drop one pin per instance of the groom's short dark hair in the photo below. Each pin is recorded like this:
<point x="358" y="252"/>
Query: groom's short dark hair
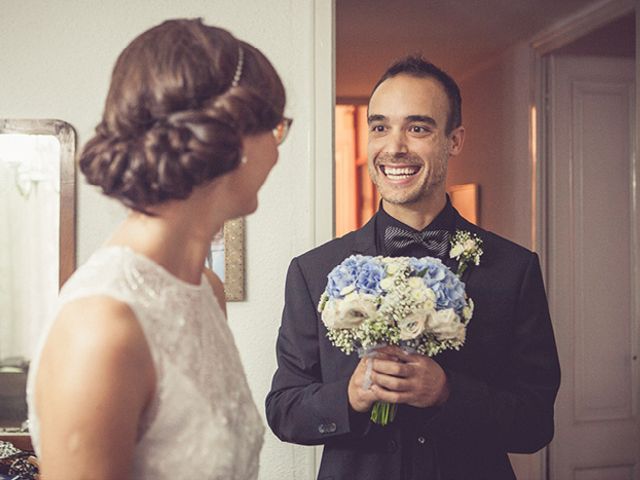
<point x="417" y="66"/>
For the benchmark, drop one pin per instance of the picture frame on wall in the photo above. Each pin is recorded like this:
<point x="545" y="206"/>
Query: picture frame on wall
<point x="226" y="259"/>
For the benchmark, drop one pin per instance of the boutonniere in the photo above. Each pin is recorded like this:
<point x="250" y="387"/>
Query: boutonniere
<point x="465" y="247"/>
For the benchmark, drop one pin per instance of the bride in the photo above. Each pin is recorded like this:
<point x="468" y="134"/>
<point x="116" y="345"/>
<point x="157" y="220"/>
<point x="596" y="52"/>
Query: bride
<point x="138" y="375"/>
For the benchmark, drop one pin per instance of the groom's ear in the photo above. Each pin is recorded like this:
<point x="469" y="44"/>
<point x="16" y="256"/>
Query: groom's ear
<point x="456" y="140"/>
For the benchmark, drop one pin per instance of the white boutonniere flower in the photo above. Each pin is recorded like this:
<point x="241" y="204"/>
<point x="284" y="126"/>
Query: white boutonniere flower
<point x="465" y="247"/>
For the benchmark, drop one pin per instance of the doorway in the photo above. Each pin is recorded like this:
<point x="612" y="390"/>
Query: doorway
<point x="588" y="232"/>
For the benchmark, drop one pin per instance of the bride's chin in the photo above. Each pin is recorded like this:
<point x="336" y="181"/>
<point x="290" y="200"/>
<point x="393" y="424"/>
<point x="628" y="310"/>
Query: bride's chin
<point x="248" y="207"/>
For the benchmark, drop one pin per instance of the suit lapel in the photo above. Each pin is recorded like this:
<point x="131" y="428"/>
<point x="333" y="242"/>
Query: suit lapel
<point x="463" y="224"/>
<point x="365" y="238"/>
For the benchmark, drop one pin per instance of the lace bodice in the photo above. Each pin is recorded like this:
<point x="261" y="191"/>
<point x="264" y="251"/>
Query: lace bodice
<point x="202" y="422"/>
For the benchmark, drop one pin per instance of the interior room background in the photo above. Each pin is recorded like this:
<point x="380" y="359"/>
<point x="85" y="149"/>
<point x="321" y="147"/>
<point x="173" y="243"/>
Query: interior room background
<point x="56" y="59"/>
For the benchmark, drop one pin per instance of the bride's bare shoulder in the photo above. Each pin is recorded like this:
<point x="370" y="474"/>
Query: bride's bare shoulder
<point x="94" y="380"/>
<point x="95" y="335"/>
<point x="98" y="321"/>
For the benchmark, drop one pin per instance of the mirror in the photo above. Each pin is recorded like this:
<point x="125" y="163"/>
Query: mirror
<point x="37" y="240"/>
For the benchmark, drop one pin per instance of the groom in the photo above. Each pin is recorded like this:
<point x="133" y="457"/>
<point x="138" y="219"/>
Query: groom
<point x="461" y="411"/>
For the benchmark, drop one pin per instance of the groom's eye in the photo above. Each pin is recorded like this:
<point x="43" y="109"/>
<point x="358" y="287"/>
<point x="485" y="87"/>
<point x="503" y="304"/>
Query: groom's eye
<point x="419" y="130"/>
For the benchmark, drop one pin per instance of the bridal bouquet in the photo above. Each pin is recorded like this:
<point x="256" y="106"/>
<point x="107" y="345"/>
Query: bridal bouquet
<point x="416" y="303"/>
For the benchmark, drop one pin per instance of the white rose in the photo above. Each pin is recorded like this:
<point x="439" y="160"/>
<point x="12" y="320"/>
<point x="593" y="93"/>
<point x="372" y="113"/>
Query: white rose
<point x="386" y="283"/>
<point x="419" y="291"/>
<point x="330" y="314"/>
<point x="456" y="251"/>
<point x="413" y="325"/>
<point x="446" y="325"/>
<point x="461" y="334"/>
<point x="393" y="267"/>
<point x="431" y="295"/>
<point x="353" y="310"/>
<point x="426" y="297"/>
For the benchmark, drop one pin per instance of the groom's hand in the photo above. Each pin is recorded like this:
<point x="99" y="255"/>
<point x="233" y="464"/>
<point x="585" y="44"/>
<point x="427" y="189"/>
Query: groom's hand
<point x="360" y="398"/>
<point x="413" y="379"/>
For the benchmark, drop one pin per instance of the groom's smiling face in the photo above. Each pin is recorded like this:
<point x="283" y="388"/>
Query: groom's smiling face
<point x="408" y="144"/>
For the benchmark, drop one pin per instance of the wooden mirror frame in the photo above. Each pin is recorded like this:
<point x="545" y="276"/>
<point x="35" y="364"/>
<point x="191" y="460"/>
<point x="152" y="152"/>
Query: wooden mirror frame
<point x="66" y="135"/>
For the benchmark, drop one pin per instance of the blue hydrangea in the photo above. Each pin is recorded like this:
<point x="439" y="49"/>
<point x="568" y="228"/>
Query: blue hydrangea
<point x="450" y="292"/>
<point x="363" y="272"/>
<point x="434" y="271"/>
<point x="418" y="264"/>
<point x="369" y="276"/>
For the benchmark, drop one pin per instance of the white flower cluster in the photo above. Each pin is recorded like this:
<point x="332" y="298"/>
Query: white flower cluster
<point x="417" y="303"/>
<point x="465" y="247"/>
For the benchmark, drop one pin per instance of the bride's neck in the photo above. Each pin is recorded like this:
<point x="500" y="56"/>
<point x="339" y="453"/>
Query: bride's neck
<point x="177" y="238"/>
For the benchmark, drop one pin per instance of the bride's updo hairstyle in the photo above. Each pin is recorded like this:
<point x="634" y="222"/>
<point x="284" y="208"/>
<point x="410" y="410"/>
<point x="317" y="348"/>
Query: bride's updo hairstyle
<point x="182" y="96"/>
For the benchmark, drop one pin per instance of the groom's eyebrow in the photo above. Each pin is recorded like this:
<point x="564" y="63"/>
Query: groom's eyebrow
<point x="422" y="119"/>
<point x="408" y="119"/>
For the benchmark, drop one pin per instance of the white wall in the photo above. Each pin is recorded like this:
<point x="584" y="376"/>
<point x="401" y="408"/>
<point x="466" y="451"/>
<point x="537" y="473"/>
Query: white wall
<point x="56" y="58"/>
<point x="495" y="111"/>
<point x="496" y="101"/>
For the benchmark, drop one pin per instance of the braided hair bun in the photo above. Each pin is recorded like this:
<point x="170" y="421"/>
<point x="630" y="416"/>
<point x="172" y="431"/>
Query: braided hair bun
<point x="174" y="117"/>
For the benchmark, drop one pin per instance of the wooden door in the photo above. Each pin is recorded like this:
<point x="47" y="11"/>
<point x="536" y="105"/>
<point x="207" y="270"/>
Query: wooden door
<point x="594" y="268"/>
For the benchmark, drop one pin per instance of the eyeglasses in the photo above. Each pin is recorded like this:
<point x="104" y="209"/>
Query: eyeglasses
<point x="282" y="129"/>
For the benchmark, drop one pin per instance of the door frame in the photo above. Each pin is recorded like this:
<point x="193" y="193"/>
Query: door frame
<point x="324" y="106"/>
<point x="558" y="35"/>
<point x="543" y="44"/>
<point x="322" y="139"/>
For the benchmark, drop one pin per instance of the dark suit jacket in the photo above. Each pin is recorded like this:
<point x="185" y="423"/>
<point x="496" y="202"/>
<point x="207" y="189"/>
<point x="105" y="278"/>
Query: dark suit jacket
<point x="503" y="382"/>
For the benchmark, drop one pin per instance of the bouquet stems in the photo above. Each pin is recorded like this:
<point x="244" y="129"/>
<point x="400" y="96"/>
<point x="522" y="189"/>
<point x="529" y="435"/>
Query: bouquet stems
<point x="383" y="413"/>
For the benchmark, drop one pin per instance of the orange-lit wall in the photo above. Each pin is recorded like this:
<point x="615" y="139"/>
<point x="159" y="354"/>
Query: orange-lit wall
<point x="356" y="198"/>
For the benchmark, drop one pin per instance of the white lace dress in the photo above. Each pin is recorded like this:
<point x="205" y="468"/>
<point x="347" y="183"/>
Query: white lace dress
<point x="202" y="423"/>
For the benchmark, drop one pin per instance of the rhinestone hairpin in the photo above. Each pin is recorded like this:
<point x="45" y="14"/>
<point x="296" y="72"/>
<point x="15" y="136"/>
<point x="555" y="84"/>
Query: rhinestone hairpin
<point x="238" y="74"/>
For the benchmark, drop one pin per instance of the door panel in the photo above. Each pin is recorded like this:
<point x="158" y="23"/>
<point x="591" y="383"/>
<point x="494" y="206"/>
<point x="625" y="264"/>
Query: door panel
<point x="593" y="268"/>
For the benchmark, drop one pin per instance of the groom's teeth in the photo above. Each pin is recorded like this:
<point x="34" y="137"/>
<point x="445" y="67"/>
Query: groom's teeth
<point x="400" y="172"/>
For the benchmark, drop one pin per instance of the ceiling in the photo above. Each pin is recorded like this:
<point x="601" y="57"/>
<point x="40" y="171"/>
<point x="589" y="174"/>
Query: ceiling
<point x="457" y="35"/>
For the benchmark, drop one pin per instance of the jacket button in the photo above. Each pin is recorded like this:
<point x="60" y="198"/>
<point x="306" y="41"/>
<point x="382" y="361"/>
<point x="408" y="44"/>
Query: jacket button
<point x="393" y="445"/>
<point x="421" y="440"/>
<point x="327" y="428"/>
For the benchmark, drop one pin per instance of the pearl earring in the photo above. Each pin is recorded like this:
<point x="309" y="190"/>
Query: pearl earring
<point x="243" y="160"/>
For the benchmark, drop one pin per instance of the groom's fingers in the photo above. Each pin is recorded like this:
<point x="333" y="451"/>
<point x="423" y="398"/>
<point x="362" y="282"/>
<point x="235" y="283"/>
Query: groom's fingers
<point x="390" y="351"/>
<point x="390" y="396"/>
<point x="417" y="381"/>
<point x="360" y="398"/>
<point x="390" y="382"/>
<point x="392" y="367"/>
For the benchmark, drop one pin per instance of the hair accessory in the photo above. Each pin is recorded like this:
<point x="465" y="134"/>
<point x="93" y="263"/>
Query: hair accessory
<point x="238" y="74"/>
